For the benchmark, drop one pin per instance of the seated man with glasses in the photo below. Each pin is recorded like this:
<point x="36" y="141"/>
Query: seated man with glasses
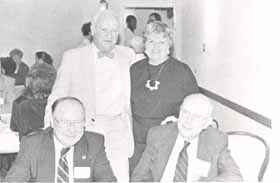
<point x="64" y="153"/>
<point x="188" y="150"/>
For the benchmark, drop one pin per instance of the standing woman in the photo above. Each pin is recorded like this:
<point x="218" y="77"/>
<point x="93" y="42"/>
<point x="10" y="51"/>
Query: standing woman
<point x="159" y="85"/>
<point x="21" y="67"/>
<point x="29" y="109"/>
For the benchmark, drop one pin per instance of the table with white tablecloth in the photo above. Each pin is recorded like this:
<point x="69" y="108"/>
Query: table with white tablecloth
<point x="9" y="140"/>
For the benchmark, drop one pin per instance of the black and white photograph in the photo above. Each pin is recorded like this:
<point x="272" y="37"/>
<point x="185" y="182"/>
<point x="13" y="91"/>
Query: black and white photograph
<point x="138" y="90"/>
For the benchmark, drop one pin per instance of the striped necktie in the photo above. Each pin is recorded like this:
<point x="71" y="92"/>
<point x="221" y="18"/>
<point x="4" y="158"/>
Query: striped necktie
<point x="182" y="165"/>
<point x="63" y="169"/>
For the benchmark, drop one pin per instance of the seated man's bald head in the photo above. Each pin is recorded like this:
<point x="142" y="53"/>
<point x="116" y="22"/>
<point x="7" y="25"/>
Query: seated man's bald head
<point x="198" y="104"/>
<point x="67" y="102"/>
<point x="69" y="120"/>
<point x="195" y="115"/>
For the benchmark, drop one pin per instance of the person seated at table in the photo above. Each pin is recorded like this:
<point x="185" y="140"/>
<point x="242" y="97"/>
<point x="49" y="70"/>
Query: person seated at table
<point x="43" y="57"/>
<point x="64" y="153"/>
<point x="7" y="96"/>
<point x="7" y="84"/>
<point x="189" y="149"/>
<point x="21" y="68"/>
<point x="29" y="109"/>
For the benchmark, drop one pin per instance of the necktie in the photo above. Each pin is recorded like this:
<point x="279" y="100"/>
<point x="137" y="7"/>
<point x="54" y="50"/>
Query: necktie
<point x="102" y="54"/>
<point x="63" y="169"/>
<point x="182" y="165"/>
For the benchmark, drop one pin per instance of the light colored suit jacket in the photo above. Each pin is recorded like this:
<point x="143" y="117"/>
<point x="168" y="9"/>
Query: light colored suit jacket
<point x="36" y="159"/>
<point x="212" y="147"/>
<point x="76" y="78"/>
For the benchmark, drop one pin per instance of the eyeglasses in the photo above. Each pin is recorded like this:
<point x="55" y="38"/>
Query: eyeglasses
<point x="192" y="116"/>
<point x="191" y="121"/>
<point x="69" y="123"/>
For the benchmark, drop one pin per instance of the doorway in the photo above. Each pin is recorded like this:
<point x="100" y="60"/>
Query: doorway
<point x="141" y="9"/>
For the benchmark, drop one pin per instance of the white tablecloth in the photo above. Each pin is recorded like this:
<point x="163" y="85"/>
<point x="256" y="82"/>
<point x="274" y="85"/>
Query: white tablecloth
<point x="9" y="140"/>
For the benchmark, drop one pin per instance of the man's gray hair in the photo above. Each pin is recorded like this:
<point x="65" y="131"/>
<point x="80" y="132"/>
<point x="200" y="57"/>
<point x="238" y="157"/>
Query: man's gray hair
<point x="102" y="14"/>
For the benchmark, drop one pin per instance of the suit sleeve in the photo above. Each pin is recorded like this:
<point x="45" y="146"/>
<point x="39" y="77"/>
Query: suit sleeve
<point x="142" y="172"/>
<point x="190" y="83"/>
<point x="21" y="169"/>
<point x="61" y="86"/>
<point x="132" y="56"/>
<point x="102" y="171"/>
<point x="126" y="114"/>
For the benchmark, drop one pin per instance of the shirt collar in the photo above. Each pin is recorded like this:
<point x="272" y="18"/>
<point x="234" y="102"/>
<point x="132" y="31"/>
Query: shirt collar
<point x="58" y="145"/>
<point x="190" y="141"/>
<point x="97" y="50"/>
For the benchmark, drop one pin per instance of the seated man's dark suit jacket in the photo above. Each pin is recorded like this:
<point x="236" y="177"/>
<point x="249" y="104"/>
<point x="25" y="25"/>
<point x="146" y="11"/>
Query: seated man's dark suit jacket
<point x="36" y="159"/>
<point x="212" y="147"/>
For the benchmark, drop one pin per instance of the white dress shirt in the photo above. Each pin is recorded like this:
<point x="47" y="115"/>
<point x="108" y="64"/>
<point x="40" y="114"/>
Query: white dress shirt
<point x="196" y="168"/>
<point x="69" y="156"/>
<point x="128" y="35"/>
<point x="109" y="100"/>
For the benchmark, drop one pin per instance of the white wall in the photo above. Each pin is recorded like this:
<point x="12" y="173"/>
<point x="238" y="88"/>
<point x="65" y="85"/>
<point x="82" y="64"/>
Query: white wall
<point x="52" y="25"/>
<point x="230" y="65"/>
<point x="234" y="64"/>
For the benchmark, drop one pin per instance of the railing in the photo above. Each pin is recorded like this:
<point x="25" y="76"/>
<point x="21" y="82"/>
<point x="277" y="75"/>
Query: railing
<point x="238" y="108"/>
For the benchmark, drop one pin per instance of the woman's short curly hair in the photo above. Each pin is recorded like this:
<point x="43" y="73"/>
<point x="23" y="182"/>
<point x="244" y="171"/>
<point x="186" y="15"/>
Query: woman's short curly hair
<point x="158" y="28"/>
<point x="16" y="51"/>
<point x="46" y="57"/>
<point x="8" y="65"/>
<point x="39" y="81"/>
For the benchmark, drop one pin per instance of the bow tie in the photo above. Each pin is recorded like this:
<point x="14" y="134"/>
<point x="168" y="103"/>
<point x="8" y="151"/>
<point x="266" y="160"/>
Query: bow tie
<point x="102" y="54"/>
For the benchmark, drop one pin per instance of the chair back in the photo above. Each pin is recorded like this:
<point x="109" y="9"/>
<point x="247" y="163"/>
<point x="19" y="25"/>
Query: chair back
<point x="251" y="153"/>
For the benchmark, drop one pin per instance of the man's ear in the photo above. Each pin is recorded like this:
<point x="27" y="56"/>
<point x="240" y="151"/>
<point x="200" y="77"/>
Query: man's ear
<point x="51" y="121"/>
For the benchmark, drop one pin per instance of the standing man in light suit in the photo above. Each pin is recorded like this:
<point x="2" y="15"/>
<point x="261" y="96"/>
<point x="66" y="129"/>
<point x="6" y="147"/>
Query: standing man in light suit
<point x="98" y="75"/>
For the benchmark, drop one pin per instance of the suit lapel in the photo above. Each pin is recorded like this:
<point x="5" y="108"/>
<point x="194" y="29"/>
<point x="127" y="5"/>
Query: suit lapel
<point x="165" y="150"/>
<point x="210" y="143"/>
<point x="82" y="158"/>
<point x="81" y="153"/>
